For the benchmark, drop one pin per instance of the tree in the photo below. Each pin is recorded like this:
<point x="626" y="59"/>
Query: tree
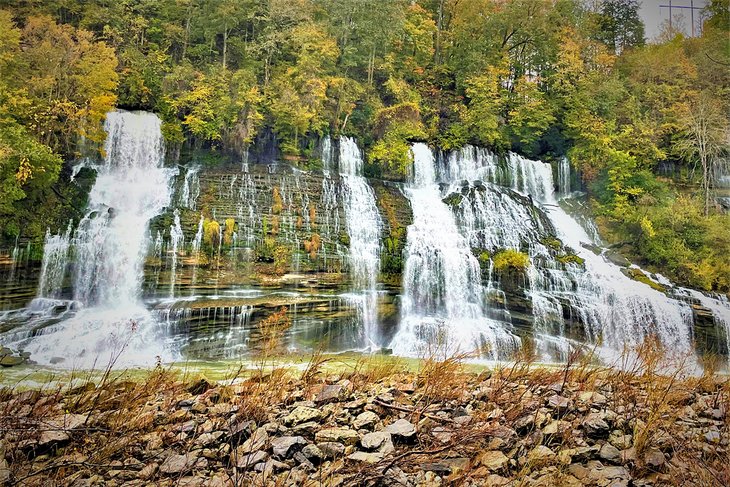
<point x="619" y="25"/>
<point x="707" y="140"/>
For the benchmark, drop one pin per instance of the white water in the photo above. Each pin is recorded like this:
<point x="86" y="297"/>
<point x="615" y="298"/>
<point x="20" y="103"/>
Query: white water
<point x="190" y="189"/>
<point x="55" y="261"/>
<point x="615" y="309"/>
<point x="176" y="240"/>
<point x="363" y="227"/>
<point x="442" y="304"/>
<point x="564" y="177"/>
<point x="110" y="246"/>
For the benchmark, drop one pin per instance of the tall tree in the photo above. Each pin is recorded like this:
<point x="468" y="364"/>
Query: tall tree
<point x="619" y="25"/>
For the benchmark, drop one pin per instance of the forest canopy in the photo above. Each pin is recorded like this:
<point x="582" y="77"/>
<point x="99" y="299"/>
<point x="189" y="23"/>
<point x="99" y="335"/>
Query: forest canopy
<point x="644" y="123"/>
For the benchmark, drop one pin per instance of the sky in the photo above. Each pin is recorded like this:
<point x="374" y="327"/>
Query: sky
<point x="653" y="15"/>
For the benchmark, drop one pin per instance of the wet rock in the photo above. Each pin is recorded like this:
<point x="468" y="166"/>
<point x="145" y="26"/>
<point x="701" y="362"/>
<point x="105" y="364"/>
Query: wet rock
<point x="11" y="361"/>
<point x="338" y="435"/>
<point x="401" y="428"/>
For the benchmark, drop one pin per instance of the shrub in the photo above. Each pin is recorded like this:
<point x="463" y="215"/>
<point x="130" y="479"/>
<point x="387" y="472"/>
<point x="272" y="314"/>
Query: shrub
<point x="511" y="259"/>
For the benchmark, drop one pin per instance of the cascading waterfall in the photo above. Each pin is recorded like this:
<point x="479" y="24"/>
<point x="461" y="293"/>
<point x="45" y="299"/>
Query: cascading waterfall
<point x="54" y="265"/>
<point x="612" y="307"/>
<point x="564" y="177"/>
<point x="110" y="245"/>
<point x="176" y="240"/>
<point x="190" y="189"/>
<point x="442" y="302"/>
<point x="363" y="226"/>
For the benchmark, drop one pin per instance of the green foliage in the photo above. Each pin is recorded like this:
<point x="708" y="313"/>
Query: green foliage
<point x="541" y="78"/>
<point x="510" y="259"/>
<point x="638" y="275"/>
<point x="211" y="235"/>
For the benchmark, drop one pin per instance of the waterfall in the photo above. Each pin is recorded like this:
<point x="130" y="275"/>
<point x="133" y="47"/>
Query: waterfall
<point x="110" y="246"/>
<point x="190" y="189"/>
<point x="327" y="156"/>
<point x="363" y="226"/>
<point x="613" y="308"/>
<point x="564" y="177"/>
<point x="442" y="303"/>
<point x="54" y="264"/>
<point x="176" y="239"/>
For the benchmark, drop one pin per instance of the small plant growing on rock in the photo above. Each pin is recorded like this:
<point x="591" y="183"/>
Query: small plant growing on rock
<point x="313" y="245"/>
<point x="230" y="228"/>
<point x="278" y="204"/>
<point x="511" y="259"/>
<point x="211" y="233"/>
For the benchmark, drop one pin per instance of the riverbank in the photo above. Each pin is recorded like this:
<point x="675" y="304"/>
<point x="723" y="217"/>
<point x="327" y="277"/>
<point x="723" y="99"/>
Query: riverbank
<point x="373" y="421"/>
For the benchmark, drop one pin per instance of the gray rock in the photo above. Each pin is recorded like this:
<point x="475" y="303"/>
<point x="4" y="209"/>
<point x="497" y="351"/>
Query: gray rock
<point x="616" y="258"/>
<point x="610" y="453"/>
<point x="285" y="445"/>
<point x="558" y="402"/>
<point x="372" y="441"/>
<point x="366" y="420"/>
<point x="401" y="428"/>
<point x="312" y="452"/>
<point x="595" y="424"/>
<point x="308" y="428"/>
<point x="303" y="461"/>
<point x="331" y="449"/>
